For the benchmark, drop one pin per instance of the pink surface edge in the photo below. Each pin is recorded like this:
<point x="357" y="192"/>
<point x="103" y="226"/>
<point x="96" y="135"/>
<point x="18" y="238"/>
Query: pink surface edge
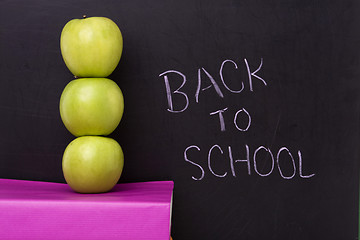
<point x="44" y="210"/>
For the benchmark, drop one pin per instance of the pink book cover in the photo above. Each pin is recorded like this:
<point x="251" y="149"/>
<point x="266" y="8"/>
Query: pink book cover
<point x="44" y="210"/>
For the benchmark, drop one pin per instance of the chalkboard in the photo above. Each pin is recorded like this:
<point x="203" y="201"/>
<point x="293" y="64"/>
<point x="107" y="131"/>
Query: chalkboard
<point x="250" y="107"/>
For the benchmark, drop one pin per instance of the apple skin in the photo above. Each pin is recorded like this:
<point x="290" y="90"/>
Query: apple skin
<point x="91" y="47"/>
<point x="91" y="106"/>
<point x="92" y="164"/>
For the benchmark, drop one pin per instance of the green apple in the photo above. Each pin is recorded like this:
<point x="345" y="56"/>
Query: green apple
<point x="91" y="47"/>
<point x="91" y="106"/>
<point x="92" y="164"/>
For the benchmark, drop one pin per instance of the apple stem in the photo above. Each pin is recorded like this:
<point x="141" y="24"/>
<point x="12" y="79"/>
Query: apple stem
<point x="84" y="16"/>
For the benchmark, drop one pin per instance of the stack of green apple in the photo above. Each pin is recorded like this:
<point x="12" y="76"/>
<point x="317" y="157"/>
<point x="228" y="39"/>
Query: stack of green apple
<point x="91" y="105"/>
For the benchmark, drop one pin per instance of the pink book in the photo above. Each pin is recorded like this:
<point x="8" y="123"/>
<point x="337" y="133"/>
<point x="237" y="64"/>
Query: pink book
<point x="43" y="210"/>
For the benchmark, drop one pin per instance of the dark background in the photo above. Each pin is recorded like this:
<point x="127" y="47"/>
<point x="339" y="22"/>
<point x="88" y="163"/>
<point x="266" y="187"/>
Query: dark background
<point x="310" y="52"/>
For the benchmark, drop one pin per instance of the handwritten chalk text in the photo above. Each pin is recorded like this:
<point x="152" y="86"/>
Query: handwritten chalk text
<point x="250" y="162"/>
<point x="178" y="101"/>
<point x="174" y="74"/>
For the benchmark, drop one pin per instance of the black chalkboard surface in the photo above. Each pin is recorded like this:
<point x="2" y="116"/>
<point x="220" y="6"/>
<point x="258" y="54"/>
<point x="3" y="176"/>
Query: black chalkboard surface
<point x="250" y="107"/>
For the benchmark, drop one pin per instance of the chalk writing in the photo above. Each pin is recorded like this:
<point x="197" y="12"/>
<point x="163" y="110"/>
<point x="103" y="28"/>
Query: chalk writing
<point x="242" y="121"/>
<point x="236" y="117"/>
<point x="221" y="118"/>
<point x="169" y="93"/>
<point x="250" y="161"/>
<point x="183" y="102"/>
